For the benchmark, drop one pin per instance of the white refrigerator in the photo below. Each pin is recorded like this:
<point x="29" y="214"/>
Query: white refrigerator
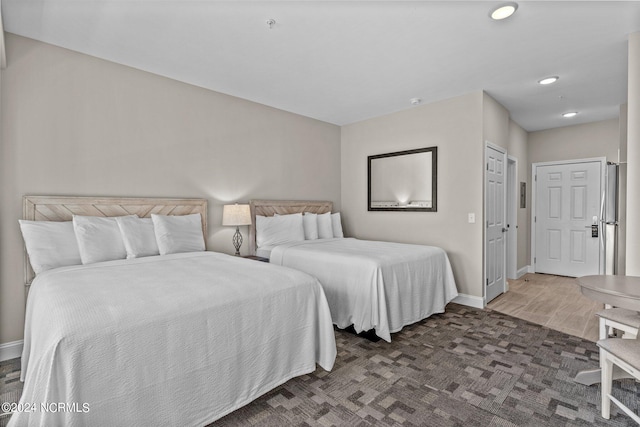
<point x="609" y="219"/>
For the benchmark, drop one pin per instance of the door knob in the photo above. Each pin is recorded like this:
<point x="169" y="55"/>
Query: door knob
<point x="504" y="230"/>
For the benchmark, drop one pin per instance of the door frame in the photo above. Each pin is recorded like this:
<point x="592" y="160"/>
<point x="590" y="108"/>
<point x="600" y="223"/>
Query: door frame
<point x="534" y="189"/>
<point x="502" y="150"/>
<point x="512" y="219"/>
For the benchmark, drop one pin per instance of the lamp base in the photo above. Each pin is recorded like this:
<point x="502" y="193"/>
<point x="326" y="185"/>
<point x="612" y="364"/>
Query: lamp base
<point x="237" y="241"/>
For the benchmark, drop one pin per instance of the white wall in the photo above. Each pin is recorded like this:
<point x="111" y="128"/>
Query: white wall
<point x="76" y="125"/>
<point x="455" y="127"/>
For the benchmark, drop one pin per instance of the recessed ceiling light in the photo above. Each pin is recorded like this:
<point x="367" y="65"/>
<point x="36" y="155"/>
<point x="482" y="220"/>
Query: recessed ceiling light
<point x="548" y="80"/>
<point x="570" y="114"/>
<point x="503" y="11"/>
<point x="415" y="101"/>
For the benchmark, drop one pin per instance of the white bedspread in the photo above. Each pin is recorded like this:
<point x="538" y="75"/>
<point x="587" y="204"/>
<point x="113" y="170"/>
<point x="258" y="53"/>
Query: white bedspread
<point x="374" y="285"/>
<point x="176" y="340"/>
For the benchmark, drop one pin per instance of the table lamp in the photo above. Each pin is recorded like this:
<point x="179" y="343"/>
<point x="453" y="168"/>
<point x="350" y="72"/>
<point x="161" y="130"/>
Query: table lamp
<point x="236" y="215"/>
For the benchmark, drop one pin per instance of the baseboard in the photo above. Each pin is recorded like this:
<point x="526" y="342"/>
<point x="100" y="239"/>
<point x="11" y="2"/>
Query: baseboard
<point x="469" y="300"/>
<point x="524" y="270"/>
<point x="10" y="350"/>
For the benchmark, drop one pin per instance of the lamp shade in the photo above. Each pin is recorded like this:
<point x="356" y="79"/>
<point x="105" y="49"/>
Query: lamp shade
<point x="236" y="215"/>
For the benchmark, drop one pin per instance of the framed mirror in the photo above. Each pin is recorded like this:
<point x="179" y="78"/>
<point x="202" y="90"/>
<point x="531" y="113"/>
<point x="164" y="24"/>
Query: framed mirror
<point x="403" y="181"/>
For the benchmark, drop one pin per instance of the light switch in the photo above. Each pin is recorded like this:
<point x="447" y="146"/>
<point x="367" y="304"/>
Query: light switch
<point x="472" y="218"/>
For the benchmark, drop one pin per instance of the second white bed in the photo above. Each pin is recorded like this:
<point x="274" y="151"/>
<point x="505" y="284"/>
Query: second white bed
<point x="374" y="285"/>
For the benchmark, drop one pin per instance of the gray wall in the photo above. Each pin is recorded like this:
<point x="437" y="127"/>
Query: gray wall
<point x="622" y="194"/>
<point x="518" y="149"/>
<point x="76" y="125"/>
<point x="495" y="122"/>
<point x="455" y="126"/>
<point x="597" y="139"/>
<point x="589" y="140"/>
<point x="632" y="143"/>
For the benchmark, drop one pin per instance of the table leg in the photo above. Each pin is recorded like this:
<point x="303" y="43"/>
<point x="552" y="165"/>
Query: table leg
<point x="593" y="376"/>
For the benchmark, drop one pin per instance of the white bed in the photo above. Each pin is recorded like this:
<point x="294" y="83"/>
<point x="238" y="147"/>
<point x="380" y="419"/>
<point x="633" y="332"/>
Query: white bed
<point x="179" y="339"/>
<point x="371" y="285"/>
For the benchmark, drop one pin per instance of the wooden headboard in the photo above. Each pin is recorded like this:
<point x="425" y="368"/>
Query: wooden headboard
<point x="282" y="207"/>
<point x="62" y="208"/>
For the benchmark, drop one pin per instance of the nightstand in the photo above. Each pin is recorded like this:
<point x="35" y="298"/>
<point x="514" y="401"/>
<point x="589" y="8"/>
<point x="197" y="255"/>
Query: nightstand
<point x="256" y="258"/>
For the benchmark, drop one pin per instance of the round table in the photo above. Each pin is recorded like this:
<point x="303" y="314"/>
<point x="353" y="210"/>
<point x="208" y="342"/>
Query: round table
<point x="618" y="291"/>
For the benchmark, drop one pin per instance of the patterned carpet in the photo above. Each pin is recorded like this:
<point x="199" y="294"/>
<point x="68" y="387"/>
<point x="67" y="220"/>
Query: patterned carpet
<point x="466" y="367"/>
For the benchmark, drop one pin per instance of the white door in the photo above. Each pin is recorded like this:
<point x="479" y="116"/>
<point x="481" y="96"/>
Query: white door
<point x="567" y="206"/>
<point x="495" y="209"/>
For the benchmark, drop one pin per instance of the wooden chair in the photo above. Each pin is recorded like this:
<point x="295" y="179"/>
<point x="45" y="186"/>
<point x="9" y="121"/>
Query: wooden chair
<point x="612" y="322"/>
<point x="620" y="319"/>
<point x="625" y="354"/>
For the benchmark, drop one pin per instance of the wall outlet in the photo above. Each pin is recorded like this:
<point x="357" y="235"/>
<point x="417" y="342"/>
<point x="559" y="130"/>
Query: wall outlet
<point x="472" y="218"/>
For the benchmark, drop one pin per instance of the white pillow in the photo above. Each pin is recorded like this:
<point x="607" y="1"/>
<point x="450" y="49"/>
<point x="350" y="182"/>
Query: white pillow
<point x="276" y="230"/>
<point x="99" y="239"/>
<point x="336" y="225"/>
<point x="310" y="225"/>
<point x="138" y="236"/>
<point x="175" y="234"/>
<point x="50" y="244"/>
<point x="325" y="230"/>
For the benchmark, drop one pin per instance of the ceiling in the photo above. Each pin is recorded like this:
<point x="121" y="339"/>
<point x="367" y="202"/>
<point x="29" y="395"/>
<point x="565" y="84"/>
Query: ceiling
<point x="346" y="61"/>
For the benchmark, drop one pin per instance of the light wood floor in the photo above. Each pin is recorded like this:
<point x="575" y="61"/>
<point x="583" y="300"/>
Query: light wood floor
<point x="552" y="301"/>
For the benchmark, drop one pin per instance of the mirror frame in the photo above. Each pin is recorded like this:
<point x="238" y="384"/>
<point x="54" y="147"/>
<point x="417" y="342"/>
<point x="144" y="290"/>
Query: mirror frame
<point x="434" y="180"/>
